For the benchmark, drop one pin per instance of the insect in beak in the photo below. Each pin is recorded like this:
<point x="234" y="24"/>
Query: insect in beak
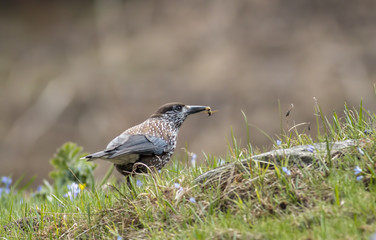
<point x="209" y="111"/>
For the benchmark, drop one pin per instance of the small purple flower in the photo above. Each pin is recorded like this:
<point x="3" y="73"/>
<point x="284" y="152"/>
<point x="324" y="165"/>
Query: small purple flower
<point x="39" y="189"/>
<point x="68" y="194"/>
<point x="279" y="142"/>
<point x="285" y="170"/>
<point x="192" y="200"/>
<point x="367" y="132"/>
<point x="139" y="183"/>
<point x="6" y="180"/>
<point x="310" y="148"/>
<point x="220" y="162"/>
<point x="360" y="151"/>
<point x="119" y="237"/>
<point x="74" y="190"/>
<point x="193" y="159"/>
<point x="357" y="170"/>
<point x="178" y="187"/>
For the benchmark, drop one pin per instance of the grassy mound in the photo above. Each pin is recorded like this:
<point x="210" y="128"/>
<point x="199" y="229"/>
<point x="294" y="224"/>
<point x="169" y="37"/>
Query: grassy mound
<point x="332" y="197"/>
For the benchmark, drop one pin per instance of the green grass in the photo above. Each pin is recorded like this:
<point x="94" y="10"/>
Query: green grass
<point x="324" y="200"/>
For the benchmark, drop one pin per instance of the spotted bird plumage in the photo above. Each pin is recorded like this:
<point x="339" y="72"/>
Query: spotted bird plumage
<point x="150" y="144"/>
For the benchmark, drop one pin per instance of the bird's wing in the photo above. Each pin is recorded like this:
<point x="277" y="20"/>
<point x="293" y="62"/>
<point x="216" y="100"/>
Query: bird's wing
<point x="135" y="144"/>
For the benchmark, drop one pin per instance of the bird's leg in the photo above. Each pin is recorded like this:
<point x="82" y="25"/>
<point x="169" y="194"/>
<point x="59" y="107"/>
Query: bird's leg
<point x="128" y="180"/>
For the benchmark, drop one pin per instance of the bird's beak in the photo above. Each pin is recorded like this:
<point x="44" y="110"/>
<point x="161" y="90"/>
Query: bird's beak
<point x="195" y="109"/>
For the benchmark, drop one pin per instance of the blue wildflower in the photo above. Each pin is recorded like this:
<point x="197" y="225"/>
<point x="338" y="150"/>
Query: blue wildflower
<point x="177" y="186"/>
<point x="357" y="170"/>
<point x="6" y="180"/>
<point x="39" y="189"/>
<point x="360" y="151"/>
<point x="285" y="170"/>
<point x="74" y="190"/>
<point x="119" y="237"/>
<point x="279" y="142"/>
<point x="68" y="194"/>
<point x="192" y="200"/>
<point x="367" y="132"/>
<point x="221" y="162"/>
<point x="193" y="159"/>
<point x="139" y="183"/>
<point x="310" y="148"/>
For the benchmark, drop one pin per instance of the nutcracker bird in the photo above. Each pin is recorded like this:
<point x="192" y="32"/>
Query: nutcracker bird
<point x="150" y="144"/>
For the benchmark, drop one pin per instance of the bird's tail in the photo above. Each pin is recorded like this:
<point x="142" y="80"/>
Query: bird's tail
<point x="94" y="156"/>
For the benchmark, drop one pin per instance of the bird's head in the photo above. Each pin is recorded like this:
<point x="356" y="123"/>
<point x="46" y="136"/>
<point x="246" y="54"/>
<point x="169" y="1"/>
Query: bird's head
<point x="176" y="113"/>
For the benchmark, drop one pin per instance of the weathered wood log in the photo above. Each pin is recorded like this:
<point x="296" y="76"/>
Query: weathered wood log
<point x="299" y="155"/>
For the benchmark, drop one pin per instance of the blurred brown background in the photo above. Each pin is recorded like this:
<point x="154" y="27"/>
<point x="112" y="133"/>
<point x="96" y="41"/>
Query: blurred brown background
<point x="84" y="71"/>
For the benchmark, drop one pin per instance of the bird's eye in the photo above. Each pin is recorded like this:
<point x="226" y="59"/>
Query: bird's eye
<point x="178" y="107"/>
